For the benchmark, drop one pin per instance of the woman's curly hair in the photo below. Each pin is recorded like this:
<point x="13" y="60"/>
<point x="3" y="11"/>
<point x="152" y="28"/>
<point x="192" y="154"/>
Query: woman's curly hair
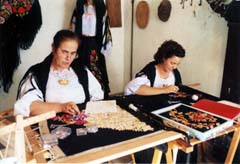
<point x="168" y="49"/>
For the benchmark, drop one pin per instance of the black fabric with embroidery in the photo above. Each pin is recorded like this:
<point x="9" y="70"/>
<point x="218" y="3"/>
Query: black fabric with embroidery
<point x="17" y="32"/>
<point x="75" y="144"/>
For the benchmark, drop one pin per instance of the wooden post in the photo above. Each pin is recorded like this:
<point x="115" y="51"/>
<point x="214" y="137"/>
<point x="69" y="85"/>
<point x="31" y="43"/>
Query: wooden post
<point x="169" y="155"/>
<point x="157" y="156"/>
<point x="233" y="146"/>
<point x="20" y="152"/>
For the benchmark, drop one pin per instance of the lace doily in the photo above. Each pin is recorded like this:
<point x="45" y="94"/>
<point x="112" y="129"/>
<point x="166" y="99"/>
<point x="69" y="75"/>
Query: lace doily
<point x="120" y="120"/>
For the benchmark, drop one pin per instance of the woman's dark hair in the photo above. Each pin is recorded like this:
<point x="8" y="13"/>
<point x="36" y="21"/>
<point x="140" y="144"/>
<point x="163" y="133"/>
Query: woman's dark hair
<point x="64" y="35"/>
<point x="86" y="1"/>
<point x="168" y="49"/>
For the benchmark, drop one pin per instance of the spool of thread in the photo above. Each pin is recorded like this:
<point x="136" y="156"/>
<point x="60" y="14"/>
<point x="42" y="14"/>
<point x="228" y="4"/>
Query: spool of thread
<point x="195" y="97"/>
<point x="133" y="107"/>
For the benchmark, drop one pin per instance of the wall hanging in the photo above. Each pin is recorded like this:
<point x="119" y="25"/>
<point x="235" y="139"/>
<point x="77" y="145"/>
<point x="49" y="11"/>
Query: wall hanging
<point x="142" y="14"/>
<point x="164" y="10"/>
<point x="93" y="39"/>
<point x="114" y="12"/>
<point x="20" y="21"/>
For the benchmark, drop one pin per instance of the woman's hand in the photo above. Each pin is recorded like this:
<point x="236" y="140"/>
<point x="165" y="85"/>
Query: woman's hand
<point x="170" y="88"/>
<point x="70" y="107"/>
<point x="147" y="90"/>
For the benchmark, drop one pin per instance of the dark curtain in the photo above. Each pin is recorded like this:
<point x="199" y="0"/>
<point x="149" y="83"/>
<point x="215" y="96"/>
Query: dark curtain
<point x="231" y="76"/>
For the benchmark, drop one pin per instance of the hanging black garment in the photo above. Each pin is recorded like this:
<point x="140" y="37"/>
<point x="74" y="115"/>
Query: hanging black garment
<point x="91" y="44"/>
<point x="17" y="32"/>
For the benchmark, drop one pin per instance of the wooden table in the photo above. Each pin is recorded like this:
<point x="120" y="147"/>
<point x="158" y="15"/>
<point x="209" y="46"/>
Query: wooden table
<point x="148" y="104"/>
<point x="188" y="147"/>
<point x="95" y="155"/>
<point x="120" y="149"/>
<point x="108" y="153"/>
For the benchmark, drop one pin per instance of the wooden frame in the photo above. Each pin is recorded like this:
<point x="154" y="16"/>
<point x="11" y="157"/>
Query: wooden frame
<point x="18" y="128"/>
<point x="188" y="147"/>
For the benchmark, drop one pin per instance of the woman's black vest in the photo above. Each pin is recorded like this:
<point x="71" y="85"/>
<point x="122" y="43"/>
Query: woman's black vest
<point x="150" y="71"/>
<point x="41" y="70"/>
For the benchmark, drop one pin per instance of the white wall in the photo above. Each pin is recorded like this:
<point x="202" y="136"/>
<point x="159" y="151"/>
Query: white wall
<point x="203" y="36"/>
<point x="115" y="62"/>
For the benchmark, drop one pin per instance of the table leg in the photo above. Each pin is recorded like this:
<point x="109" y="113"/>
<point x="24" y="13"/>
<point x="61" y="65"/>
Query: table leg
<point x="169" y="154"/>
<point x="233" y="146"/>
<point x="175" y="151"/>
<point x="133" y="159"/>
<point x="157" y="156"/>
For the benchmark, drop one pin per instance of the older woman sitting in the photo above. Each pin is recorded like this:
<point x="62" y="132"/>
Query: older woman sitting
<point x="59" y="82"/>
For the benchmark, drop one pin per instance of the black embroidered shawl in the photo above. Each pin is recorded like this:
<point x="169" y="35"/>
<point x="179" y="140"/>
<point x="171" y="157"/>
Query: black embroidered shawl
<point x="17" y="32"/>
<point x="41" y="70"/>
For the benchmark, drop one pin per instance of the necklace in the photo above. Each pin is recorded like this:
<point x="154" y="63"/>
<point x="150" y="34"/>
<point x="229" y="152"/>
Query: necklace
<point x="63" y="81"/>
<point x="63" y="76"/>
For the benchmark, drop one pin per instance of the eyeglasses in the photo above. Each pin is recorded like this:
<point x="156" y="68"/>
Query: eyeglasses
<point x="72" y="54"/>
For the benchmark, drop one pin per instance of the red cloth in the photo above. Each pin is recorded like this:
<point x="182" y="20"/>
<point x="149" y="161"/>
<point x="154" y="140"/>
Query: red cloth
<point x="217" y="108"/>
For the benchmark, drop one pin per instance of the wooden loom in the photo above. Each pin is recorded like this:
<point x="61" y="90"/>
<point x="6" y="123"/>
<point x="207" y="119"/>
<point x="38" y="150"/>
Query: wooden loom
<point x="19" y="127"/>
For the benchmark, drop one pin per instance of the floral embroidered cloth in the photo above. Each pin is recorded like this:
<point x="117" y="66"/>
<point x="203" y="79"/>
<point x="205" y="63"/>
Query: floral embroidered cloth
<point x="18" y="7"/>
<point x="78" y="119"/>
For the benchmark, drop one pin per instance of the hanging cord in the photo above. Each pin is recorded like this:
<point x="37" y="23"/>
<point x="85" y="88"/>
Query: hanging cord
<point x="131" y="55"/>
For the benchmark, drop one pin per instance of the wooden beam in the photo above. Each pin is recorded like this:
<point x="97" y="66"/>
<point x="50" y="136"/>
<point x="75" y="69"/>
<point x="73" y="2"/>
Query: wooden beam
<point x="26" y="122"/>
<point x="20" y="151"/>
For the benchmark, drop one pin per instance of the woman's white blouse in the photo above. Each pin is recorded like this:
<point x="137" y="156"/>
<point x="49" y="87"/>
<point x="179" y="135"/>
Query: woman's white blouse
<point x="159" y="82"/>
<point x="56" y="92"/>
<point x="89" y="21"/>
